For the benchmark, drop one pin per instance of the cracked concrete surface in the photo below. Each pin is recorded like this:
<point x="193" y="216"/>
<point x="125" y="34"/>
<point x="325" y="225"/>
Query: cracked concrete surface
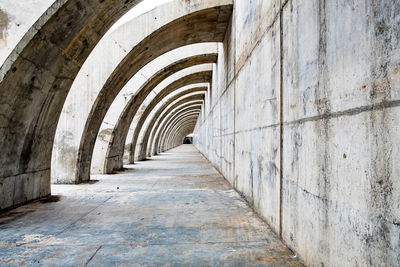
<point x="173" y="210"/>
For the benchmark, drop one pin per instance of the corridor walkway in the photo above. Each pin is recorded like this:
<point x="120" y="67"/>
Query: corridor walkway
<point x="173" y="210"/>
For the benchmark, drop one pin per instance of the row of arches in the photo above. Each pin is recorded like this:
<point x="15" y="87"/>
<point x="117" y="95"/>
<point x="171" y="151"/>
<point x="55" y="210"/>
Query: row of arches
<point x="36" y="80"/>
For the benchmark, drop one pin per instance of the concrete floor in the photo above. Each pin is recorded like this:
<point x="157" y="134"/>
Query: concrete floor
<point x="173" y="210"/>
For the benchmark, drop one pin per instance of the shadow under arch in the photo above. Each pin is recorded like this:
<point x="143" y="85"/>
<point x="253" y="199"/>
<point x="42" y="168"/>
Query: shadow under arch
<point x="187" y="141"/>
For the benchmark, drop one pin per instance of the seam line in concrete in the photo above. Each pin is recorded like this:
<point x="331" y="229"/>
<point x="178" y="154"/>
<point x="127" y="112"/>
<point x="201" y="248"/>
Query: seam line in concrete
<point x="23" y="173"/>
<point x="328" y="116"/>
<point x="81" y="217"/>
<point x="94" y="254"/>
<point x="281" y="120"/>
<point x="237" y="72"/>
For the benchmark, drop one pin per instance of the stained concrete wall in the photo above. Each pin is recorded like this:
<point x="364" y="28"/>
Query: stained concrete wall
<point x="16" y="17"/>
<point x="304" y="122"/>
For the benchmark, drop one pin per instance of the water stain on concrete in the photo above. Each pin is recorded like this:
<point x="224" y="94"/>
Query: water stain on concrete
<point x="50" y="199"/>
<point x="3" y="28"/>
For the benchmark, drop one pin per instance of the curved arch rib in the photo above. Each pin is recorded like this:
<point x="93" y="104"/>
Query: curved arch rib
<point x="181" y="133"/>
<point x="208" y="25"/>
<point x="113" y="163"/>
<point x="167" y="132"/>
<point x="37" y="76"/>
<point x="165" y="122"/>
<point x="153" y="129"/>
<point x="156" y="116"/>
<point x="199" y="77"/>
<point x="170" y="138"/>
<point x="177" y="114"/>
<point x="115" y="150"/>
<point x="147" y="130"/>
<point x="34" y="82"/>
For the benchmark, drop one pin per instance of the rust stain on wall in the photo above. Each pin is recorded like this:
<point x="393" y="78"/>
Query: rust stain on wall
<point x="3" y="28"/>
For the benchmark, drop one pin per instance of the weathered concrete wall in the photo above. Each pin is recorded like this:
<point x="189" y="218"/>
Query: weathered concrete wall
<point x="302" y="115"/>
<point x="37" y="77"/>
<point x="304" y="121"/>
<point x="16" y="17"/>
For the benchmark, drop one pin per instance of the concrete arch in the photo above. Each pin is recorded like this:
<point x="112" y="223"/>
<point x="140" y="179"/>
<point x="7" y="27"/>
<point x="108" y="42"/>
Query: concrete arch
<point x="112" y="161"/>
<point x="170" y="145"/>
<point x="200" y="77"/>
<point x="34" y="81"/>
<point x="207" y="25"/>
<point x="172" y="116"/>
<point x="176" y="130"/>
<point x="130" y="89"/>
<point x="93" y="75"/>
<point x="38" y="74"/>
<point x="165" y="135"/>
<point x="155" y="127"/>
<point x="115" y="151"/>
<point x="190" y="120"/>
<point x="147" y="130"/>
<point x="181" y="133"/>
<point x="172" y="125"/>
<point x="184" y="131"/>
<point x="162" y="128"/>
<point x="194" y="111"/>
<point x="154" y="102"/>
<point x="163" y="123"/>
<point x="179" y="140"/>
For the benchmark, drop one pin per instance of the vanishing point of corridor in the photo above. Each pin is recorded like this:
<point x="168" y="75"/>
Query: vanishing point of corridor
<point x="175" y="209"/>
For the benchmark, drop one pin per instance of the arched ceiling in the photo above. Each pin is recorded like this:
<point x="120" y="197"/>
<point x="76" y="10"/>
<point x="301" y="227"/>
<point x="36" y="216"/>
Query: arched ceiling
<point x="37" y="76"/>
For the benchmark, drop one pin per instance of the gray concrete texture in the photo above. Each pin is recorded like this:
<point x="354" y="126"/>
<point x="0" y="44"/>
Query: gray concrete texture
<point x="157" y="213"/>
<point x="171" y="36"/>
<point x="165" y="121"/>
<point x="38" y="74"/>
<point x="186" y="112"/>
<point x="299" y="114"/>
<point x="115" y="150"/>
<point x="187" y="120"/>
<point x="304" y="122"/>
<point x="173" y="110"/>
<point x="199" y="77"/>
